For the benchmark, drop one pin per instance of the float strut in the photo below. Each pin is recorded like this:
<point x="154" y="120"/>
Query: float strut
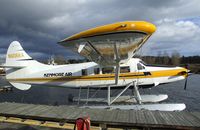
<point x="108" y="95"/>
<point x="79" y="95"/>
<point x="88" y="92"/>
<point x="121" y="93"/>
<point x="109" y="100"/>
<point x="137" y="94"/>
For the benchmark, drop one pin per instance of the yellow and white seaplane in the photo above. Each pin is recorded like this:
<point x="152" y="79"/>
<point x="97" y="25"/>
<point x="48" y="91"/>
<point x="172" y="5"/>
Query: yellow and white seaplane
<point x="111" y="48"/>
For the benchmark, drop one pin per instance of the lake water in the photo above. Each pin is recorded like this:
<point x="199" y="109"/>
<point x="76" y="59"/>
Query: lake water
<point x="58" y="96"/>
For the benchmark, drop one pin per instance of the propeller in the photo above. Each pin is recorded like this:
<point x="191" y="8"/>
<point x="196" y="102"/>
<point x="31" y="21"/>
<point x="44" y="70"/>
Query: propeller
<point x="185" y="85"/>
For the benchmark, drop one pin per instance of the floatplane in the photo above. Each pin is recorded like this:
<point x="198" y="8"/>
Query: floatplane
<point x="111" y="49"/>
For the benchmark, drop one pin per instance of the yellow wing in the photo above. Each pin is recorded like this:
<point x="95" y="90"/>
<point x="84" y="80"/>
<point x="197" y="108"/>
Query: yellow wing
<point x="110" y="44"/>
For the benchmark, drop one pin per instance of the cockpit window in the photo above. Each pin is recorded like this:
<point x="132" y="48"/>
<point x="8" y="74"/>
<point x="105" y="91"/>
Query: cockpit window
<point x="142" y="62"/>
<point x="140" y="67"/>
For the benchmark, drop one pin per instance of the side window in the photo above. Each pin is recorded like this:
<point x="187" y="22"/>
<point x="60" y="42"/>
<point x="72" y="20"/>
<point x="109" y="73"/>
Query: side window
<point x="140" y="67"/>
<point x="124" y="69"/>
<point x="84" y="72"/>
<point x="107" y="70"/>
<point x="96" y="70"/>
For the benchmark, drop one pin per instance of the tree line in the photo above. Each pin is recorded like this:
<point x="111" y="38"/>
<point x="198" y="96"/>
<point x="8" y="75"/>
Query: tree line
<point x="175" y="59"/>
<point x="192" y="62"/>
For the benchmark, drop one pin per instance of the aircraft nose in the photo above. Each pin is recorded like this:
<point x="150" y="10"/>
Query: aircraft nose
<point x="184" y="72"/>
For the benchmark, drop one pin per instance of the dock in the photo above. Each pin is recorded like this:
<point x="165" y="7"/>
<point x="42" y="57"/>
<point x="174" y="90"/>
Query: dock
<point x="64" y="117"/>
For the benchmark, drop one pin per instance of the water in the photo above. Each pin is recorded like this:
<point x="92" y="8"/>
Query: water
<point x="58" y="96"/>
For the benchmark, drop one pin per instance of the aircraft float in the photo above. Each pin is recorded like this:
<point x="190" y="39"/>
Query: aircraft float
<point x="111" y="49"/>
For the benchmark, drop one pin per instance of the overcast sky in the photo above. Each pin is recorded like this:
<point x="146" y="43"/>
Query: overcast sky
<point x="39" y="24"/>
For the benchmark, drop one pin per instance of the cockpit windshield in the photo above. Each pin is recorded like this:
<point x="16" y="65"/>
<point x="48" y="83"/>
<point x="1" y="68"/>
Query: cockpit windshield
<point x="141" y="65"/>
<point x="142" y="62"/>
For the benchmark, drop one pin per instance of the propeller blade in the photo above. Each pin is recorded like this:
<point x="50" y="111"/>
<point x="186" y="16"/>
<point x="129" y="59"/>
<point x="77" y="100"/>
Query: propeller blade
<point x="185" y="86"/>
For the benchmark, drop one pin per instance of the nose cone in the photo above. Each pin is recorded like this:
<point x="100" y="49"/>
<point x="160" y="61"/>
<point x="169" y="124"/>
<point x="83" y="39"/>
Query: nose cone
<point x="184" y="72"/>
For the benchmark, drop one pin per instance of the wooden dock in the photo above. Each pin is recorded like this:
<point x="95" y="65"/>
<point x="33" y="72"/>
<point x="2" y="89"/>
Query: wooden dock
<point x="43" y="115"/>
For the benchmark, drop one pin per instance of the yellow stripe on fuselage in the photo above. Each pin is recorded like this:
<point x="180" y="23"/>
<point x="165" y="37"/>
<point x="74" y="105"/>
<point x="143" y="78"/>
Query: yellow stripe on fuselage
<point x="132" y="75"/>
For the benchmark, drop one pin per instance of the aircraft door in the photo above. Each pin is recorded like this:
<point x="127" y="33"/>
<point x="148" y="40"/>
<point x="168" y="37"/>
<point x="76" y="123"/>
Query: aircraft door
<point x="145" y="78"/>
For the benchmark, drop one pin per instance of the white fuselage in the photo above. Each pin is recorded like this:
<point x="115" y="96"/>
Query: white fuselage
<point x="90" y="74"/>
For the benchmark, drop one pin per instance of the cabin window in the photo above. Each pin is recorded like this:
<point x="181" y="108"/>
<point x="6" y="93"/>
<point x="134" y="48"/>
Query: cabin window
<point x="96" y="70"/>
<point x="140" y="67"/>
<point x="84" y="72"/>
<point x="107" y="70"/>
<point x="124" y="69"/>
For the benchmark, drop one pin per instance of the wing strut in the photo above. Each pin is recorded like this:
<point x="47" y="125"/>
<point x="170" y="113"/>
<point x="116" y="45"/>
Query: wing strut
<point x="117" y="69"/>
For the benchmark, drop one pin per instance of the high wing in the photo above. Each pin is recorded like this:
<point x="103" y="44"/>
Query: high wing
<point x="110" y="44"/>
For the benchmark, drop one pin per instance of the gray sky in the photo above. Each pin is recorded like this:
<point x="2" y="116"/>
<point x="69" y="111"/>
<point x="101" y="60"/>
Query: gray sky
<point x="39" y="24"/>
